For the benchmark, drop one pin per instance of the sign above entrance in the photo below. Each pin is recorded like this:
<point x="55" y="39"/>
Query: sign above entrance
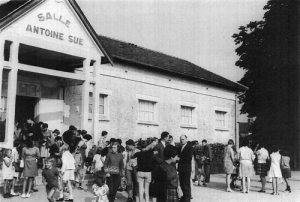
<point x="55" y="22"/>
<point x="52" y="33"/>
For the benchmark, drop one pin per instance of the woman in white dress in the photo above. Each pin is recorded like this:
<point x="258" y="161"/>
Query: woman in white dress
<point x="275" y="171"/>
<point x="246" y="169"/>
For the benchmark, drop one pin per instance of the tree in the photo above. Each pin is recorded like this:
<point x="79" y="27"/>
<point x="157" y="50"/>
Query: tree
<point x="268" y="50"/>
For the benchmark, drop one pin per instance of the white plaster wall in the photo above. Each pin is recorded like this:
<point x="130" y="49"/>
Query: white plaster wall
<point x="125" y="82"/>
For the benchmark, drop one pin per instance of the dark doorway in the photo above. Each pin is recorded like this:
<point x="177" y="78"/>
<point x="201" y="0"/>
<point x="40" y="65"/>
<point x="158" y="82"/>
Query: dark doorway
<point x="25" y="108"/>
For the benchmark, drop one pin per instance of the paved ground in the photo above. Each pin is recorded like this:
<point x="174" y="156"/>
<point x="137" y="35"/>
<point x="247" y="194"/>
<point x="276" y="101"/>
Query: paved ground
<point x="215" y="191"/>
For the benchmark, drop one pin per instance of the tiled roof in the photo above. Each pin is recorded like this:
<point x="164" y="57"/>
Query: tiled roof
<point x="10" y="6"/>
<point x="132" y="53"/>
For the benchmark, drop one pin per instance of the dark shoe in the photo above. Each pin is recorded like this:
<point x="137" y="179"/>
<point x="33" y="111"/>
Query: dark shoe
<point x="263" y="191"/>
<point x="80" y="188"/>
<point x="71" y="200"/>
<point x="7" y="195"/>
<point x="34" y="190"/>
<point x="129" y="200"/>
<point x="204" y="184"/>
<point x="60" y="199"/>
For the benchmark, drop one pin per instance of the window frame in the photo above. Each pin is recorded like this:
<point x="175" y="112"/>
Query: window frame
<point x="147" y="98"/>
<point x="226" y="118"/>
<point x="107" y="94"/>
<point x="193" y="107"/>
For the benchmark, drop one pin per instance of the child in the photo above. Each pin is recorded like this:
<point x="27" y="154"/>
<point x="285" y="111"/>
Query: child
<point x="44" y="152"/>
<point x="275" y="171"/>
<point x="98" y="161"/>
<point x="78" y="169"/>
<point x="67" y="170"/>
<point x="285" y="169"/>
<point x="50" y="178"/>
<point x="7" y="173"/>
<point x="235" y="174"/>
<point x="15" y="156"/>
<point x="100" y="188"/>
<point x="200" y="170"/>
<point x="89" y="160"/>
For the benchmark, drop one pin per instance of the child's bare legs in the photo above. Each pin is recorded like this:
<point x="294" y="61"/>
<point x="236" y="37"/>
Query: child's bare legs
<point x="12" y="190"/>
<point x="274" y="184"/>
<point x="263" y="182"/>
<point x="286" y="181"/>
<point x="248" y="184"/>
<point x="243" y="184"/>
<point x="228" y="181"/>
<point x="6" y="186"/>
<point x="70" y="189"/>
<point x="50" y="193"/>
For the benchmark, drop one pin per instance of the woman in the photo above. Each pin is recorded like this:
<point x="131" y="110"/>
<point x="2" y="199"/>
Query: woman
<point x="275" y="171"/>
<point x="167" y="176"/>
<point x="144" y="162"/>
<point x="82" y="147"/>
<point x="114" y="169"/>
<point x="246" y="164"/>
<point x="228" y="163"/>
<point x="30" y="157"/>
<point x="262" y="157"/>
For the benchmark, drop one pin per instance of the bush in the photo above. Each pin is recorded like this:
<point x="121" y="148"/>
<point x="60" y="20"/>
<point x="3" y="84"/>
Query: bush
<point x="217" y="158"/>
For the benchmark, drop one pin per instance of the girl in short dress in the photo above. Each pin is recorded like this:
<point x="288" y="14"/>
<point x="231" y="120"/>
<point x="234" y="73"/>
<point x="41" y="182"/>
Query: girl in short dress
<point x="44" y="153"/>
<point x="100" y="188"/>
<point x="285" y="169"/>
<point x="8" y="172"/>
<point x="275" y="171"/>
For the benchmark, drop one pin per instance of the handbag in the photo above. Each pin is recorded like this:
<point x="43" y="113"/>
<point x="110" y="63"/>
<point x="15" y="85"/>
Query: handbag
<point x="18" y="167"/>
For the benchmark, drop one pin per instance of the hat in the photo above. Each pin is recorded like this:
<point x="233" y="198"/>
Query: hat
<point x="130" y="142"/>
<point x="72" y="127"/>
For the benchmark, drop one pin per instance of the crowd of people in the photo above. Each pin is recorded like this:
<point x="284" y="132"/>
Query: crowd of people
<point x="242" y="165"/>
<point x="156" y="168"/>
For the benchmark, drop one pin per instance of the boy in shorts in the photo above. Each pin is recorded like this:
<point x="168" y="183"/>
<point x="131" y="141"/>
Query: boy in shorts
<point x="50" y="178"/>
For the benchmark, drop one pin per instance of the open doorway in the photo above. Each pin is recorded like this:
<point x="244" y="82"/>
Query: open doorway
<point x="25" y="107"/>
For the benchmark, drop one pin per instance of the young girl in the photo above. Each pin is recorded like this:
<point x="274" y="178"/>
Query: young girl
<point x="78" y="169"/>
<point x="97" y="160"/>
<point x="275" y="171"/>
<point x="44" y="152"/>
<point x="8" y="173"/>
<point x="100" y="188"/>
<point x="285" y="169"/>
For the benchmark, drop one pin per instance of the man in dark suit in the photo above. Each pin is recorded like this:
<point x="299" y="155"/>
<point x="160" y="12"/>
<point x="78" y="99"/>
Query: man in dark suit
<point x="160" y="147"/>
<point x="185" y="168"/>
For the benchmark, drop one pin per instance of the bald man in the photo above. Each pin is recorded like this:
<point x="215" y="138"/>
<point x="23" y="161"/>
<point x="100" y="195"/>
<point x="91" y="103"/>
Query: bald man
<point x="185" y="168"/>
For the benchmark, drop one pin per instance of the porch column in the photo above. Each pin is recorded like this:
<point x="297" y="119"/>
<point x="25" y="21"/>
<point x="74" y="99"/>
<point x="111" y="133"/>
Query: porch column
<point x="11" y="93"/>
<point x="85" y="95"/>
<point x="96" y="69"/>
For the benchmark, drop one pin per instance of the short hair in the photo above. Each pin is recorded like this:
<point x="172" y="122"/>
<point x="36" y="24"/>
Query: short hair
<point x="16" y="143"/>
<point x="275" y="148"/>
<point x="231" y="142"/>
<point x="45" y="125"/>
<point x="65" y="147"/>
<point x="100" y="177"/>
<point x="119" y="141"/>
<point x="83" y="132"/>
<point x="57" y="138"/>
<point x="112" y="139"/>
<point x="103" y="133"/>
<point x="87" y="136"/>
<point x="170" y="136"/>
<point x="6" y="151"/>
<point x="56" y="131"/>
<point x="170" y="151"/>
<point x="107" y="142"/>
<point x="164" y="135"/>
<point x="71" y="127"/>
<point x="98" y="151"/>
<point x="50" y="159"/>
<point x="204" y="140"/>
<point x="29" y="143"/>
<point x="143" y="143"/>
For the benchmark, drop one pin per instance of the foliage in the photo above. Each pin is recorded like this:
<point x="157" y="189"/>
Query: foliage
<point x="268" y="51"/>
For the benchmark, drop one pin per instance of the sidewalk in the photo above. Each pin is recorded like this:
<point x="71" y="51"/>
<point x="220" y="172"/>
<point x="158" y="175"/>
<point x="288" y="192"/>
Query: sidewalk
<point x="215" y="191"/>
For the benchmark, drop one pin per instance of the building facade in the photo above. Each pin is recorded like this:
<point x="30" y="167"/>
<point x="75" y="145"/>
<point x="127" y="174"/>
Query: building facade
<point x="56" y="69"/>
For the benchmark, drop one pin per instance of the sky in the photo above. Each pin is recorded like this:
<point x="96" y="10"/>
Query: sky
<point x="199" y="31"/>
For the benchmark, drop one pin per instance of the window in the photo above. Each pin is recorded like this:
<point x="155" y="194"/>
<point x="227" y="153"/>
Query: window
<point x="28" y="89"/>
<point x="103" y="106"/>
<point x="187" y="115"/>
<point x="146" y="110"/>
<point x="102" y="99"/>
<point x="221" y="119"/>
